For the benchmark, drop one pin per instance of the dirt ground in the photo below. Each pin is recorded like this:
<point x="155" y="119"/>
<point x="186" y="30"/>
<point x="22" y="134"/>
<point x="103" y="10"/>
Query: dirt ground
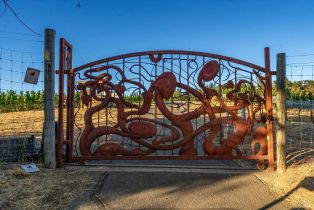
<point x="57" y="189"/>
<point x="296" y="185"/>
<point x="50" y="189"/>
<point x="178" y="188"/>
<point x="300" y="125"/>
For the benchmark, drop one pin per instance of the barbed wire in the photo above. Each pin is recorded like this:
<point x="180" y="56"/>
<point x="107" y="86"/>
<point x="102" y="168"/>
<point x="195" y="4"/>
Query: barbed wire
<point x="17" y="33"/>
<point x="7" y="5"/>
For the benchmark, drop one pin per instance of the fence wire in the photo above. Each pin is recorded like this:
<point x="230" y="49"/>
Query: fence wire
<point x="21" y="104"/>
<point x="22" y="116"/>
<point x="300" y="108"/>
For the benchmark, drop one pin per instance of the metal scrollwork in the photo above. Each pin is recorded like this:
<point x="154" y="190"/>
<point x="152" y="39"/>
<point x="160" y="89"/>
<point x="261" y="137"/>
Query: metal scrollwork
<point x="179" y="100"/>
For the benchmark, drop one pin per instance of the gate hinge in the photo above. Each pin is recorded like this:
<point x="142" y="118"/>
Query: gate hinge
<point x="273" y="72"/>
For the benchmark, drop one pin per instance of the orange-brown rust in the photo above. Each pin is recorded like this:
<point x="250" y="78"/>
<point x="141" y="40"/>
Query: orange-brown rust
<point x="259" y="137"/>
<point x="107" y="85"/>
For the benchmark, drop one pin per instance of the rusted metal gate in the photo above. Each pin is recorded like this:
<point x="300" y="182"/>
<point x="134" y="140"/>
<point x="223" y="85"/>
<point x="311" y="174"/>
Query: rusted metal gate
<point x="165" y="105"/>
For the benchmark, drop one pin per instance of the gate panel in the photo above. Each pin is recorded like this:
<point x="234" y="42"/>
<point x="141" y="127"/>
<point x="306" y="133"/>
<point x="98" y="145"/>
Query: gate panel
<point x="170" y="105"/>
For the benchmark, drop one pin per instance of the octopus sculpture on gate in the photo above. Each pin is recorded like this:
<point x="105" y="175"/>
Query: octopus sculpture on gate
<point x="144" y="130"/>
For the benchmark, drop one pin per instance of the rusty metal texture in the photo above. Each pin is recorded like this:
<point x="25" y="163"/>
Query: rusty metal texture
<point x="65" y="64"/>
<point x="170" y="105"/>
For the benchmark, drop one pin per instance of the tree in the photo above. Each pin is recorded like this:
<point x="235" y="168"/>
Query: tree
<point x="20" y="101"/>
<point x="27" y="100"/>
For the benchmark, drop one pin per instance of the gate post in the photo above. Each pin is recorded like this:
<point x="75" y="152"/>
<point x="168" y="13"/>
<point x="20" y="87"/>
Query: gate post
<point x="60" y="105"/>
<point x="269" y="111"/>
<point x="281" y="112"/>
<point x="65" y="67"/>
<point x="49" y="102"/>
<point x="70" y="102"/>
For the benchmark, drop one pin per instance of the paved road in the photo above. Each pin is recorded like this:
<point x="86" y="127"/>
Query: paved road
<point x="174" y="188"/>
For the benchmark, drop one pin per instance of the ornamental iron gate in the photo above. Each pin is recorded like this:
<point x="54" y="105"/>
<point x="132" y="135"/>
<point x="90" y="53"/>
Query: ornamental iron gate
<point x="165" y="105"/>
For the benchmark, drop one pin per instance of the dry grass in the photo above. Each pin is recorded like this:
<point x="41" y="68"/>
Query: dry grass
<point x="296" y="185"/>
<point x="21" y="123"/>
<point x="47" y="189"/>
<point x="53" y="189"/>
<point x="300" y="128"/>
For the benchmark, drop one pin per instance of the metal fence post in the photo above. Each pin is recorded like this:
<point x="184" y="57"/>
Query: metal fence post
<point x="281" y="112"/>
<point x="49" y="102"/>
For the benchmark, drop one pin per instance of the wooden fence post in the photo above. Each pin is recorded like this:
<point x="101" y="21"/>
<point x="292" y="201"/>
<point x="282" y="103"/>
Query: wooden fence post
<point x="281" y="113"/>
<point x="49" y="102"/>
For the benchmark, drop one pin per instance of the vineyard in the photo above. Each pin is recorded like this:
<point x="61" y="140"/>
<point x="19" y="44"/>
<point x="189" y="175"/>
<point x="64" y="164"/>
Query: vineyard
<point x="300" y="90"/>
<point x="13" y="101"/>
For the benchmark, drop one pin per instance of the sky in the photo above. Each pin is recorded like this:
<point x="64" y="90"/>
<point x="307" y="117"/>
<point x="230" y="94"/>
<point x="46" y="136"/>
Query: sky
<point x="104" y="28"/>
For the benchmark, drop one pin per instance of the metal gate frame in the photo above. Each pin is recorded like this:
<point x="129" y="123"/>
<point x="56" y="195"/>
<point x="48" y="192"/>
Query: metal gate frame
<point x="65" y="68"/>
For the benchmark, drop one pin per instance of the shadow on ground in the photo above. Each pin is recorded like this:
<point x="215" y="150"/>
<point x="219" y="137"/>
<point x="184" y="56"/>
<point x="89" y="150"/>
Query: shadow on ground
<point x="176" y="188"/>
<point x="307" y="183"/>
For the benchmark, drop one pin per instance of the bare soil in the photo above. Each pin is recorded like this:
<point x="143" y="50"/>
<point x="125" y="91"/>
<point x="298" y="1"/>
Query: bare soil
<point x="300" y="125"/>
<point x="53" y="189"/>
<point x="295" y="185"/>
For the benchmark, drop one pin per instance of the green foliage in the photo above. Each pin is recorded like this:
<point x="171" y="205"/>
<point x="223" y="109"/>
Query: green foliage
<point x="77" y="97"/>
<point x="297" y="90"/>
<point x="133" y="98"/>
<point x="12" y="101"/>
<point x="300" y="90"/>
<point x="243" y="89"/>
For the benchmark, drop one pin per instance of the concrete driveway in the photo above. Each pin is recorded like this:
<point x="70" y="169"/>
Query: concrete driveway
<point x="175" y="187"/>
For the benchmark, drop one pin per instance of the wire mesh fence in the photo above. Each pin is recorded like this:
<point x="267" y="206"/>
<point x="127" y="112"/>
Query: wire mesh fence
<point x="300" y="108"/>
<point x="22" y="116"/>
<point x="21" y="104"/>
